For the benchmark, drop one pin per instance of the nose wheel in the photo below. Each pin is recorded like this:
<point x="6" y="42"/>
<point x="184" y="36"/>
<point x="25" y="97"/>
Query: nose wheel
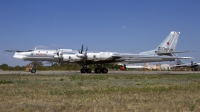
<point x="30" y="68"/>
<point x="33" y="70"/>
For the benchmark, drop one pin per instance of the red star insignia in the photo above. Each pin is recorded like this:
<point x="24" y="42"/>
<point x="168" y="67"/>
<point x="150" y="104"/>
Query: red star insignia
<point x="168" y="43"/>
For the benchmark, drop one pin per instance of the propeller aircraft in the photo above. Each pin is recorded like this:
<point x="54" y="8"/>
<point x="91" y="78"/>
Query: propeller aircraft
<point x="164" y="52"/>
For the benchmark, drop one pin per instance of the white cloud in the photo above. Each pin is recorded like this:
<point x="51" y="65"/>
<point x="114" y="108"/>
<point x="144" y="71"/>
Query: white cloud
<point x="54" y="45"/>
<point x="123" y="27"/>
<point x="41" y="46"/>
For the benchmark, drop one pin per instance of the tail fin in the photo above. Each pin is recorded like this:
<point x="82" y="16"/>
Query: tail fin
<point x="169" y="44"/>
<point x="167" y="47"/>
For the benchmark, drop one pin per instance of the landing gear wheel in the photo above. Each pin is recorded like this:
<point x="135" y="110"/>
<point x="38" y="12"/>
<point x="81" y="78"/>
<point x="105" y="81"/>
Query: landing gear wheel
<point x="33" y="70"/>
<point x="89" y="70"/>
<point x="83" y="70"/>
<point x="86" y="70"/>
<point x="97" y="70"/>
<point x="104" y="70"/>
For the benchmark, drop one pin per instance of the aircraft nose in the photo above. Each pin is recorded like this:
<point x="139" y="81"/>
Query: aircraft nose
<point x="14" y="56"/>
<point x="17" y="56"/>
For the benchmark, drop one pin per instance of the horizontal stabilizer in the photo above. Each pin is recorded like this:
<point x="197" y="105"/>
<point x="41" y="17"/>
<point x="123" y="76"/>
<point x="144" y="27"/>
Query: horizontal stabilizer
<point x="170" y="52"/>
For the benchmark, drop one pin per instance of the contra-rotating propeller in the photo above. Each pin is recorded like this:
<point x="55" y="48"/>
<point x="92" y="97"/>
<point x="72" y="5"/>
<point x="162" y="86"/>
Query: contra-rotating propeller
<point x="80" y="52"/>
<point x="82" y="55"/>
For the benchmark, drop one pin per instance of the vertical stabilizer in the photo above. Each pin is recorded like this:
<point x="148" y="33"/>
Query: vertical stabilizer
<point x="170" y="42"/>
<point x="167" y="47"/>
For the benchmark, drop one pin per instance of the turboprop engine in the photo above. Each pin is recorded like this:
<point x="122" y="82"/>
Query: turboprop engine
<point x="59" y="54"/>
<point x="70" y="58"/>
<point x="99" y="56"/>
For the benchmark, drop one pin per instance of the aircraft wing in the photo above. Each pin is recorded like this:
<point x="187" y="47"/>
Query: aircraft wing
<point x="13" y="51"/>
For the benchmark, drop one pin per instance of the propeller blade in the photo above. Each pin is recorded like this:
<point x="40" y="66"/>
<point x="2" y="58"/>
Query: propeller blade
<point x="57" y="51"/>
<point x="82" y="49"/>
<point x="86" y="50"/>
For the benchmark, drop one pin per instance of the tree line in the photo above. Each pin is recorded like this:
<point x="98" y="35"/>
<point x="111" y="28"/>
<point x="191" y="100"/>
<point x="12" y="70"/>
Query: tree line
<point x="71" y="66"/>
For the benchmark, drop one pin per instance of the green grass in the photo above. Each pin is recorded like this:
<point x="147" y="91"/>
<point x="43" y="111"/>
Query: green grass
<point x="100" y="92"/>
<point x="5" y="82"/>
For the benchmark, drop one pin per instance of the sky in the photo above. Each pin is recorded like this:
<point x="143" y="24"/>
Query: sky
<point x="127" y="26"/>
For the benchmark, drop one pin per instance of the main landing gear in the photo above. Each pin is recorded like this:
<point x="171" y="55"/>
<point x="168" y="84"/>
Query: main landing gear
<point x="101" y="70"/>
<point x="98" y="69"/>
<point x="86" y="70"/>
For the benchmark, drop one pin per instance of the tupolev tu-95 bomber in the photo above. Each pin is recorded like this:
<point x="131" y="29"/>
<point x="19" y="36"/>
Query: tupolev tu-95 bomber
<point x="164" y="52"/>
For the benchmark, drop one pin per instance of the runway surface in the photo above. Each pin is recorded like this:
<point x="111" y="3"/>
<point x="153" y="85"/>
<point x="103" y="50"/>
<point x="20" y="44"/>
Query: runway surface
<point x="110" y="72"/>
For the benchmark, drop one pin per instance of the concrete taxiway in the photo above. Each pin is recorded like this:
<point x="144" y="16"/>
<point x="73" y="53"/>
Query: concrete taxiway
<point x="110" y="72"/>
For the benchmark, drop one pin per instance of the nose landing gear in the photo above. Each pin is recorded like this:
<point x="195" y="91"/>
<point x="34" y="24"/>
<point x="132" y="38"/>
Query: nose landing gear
<point x="30" y="68"/>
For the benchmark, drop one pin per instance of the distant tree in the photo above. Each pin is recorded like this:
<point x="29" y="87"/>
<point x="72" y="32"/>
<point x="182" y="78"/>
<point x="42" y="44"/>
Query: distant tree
<point x="65" y="66"/>
<point x="17" y="67"/>
<point x="4" y="66"/>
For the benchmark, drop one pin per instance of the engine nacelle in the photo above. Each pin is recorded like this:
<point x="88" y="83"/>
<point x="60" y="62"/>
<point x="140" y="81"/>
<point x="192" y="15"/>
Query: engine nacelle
<point x="93" y="56"/>
<point x="105" y="55"/>
<point x="57" y="57"/>
<point x="80" y="55"/>
<point x="70" y="58"/>
<point x="99" y="56"/>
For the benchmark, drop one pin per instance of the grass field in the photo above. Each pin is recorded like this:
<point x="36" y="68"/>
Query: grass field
<point x="97" y="93"/>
